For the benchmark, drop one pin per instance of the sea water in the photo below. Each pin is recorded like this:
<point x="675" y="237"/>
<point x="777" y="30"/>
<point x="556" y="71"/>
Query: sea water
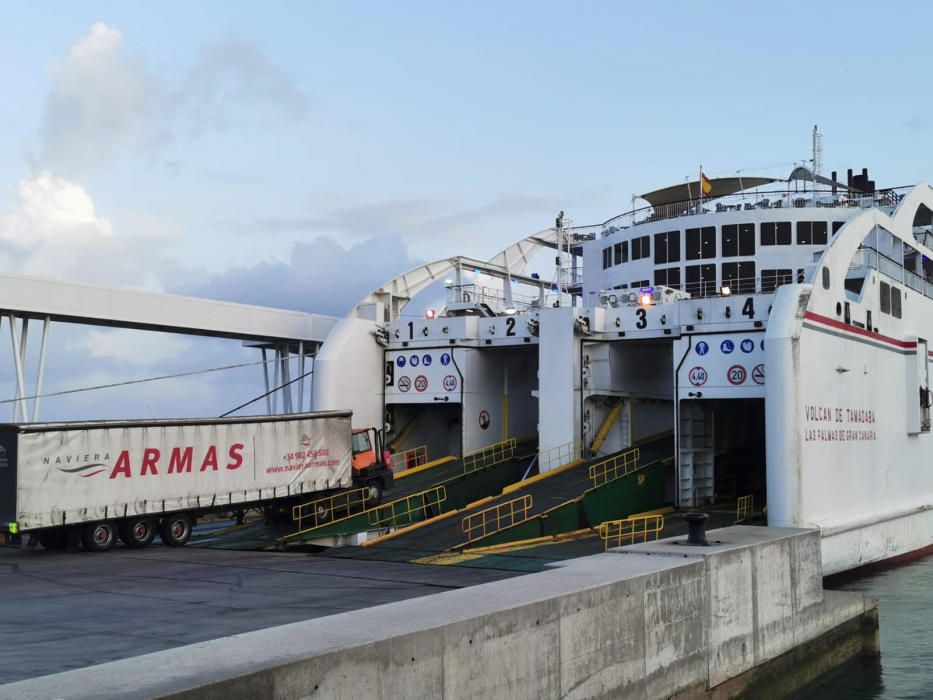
<point x="905" y="667"/>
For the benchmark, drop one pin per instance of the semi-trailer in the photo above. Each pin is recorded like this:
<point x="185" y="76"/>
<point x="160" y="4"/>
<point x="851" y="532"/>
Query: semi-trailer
<point x="91" y="483"/>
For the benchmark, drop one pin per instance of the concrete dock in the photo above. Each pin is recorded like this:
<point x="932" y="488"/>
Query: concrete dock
<point x="60" y="610"/>
<point x="647" y="621"/>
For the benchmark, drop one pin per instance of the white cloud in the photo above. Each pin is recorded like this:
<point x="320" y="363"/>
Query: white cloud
<point x="55" y="231"/>
<point x="96" y="105"/>
<point x="103" y="101"/>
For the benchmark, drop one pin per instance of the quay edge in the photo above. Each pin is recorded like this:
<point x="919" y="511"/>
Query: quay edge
<point x="659" y="619"/>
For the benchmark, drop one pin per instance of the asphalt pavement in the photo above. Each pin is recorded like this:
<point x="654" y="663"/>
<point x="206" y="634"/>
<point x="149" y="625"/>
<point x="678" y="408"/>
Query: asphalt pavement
<point x="63" y="610"/>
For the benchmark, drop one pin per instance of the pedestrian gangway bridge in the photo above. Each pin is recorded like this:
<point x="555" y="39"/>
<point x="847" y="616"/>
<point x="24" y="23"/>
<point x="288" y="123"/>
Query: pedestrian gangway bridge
<point x="24" y="299"/>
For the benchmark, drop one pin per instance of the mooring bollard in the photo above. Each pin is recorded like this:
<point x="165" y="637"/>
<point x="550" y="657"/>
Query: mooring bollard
<point x="697" y="533"/>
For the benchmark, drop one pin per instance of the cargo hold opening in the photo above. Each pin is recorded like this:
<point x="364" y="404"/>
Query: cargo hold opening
<point x="437" y="427"/>
<point x="721" y="451"/>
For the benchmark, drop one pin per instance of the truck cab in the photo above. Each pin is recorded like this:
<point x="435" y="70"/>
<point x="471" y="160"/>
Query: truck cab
<point x="372" y="468"/>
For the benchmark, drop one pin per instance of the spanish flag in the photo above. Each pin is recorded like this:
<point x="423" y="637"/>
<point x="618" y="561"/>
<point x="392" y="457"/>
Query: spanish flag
<point x="705" y="185"/>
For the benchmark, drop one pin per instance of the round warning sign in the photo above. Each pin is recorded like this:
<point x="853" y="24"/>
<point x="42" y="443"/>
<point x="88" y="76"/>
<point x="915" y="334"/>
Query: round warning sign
<point x="445" y="359"/>
<point x="414" y="361"/>
<point x="702" y="347"/>
<point x="421" y="383"/>
<point x="697" y="376"/>
<point x="747" y="345"/>
<point x="758" y="374"/>
<point x="736" y="375"/>
<point x="450" y="382"/>
<point x="404" y="383"/>
<point x="484" y="419"/>
<point x="727" y="346"/>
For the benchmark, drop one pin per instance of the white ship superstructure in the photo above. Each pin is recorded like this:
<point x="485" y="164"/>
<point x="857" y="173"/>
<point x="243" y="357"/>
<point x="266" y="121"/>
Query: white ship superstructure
<point x="779" y="328"/>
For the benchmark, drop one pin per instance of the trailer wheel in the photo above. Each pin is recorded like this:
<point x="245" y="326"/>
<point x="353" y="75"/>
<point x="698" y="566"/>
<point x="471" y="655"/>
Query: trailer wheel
<point x="175" y="529"/>
<point x="137" y="533"/>
<point x="55" y="538"/>
<point x="322" y="512"/>
<point x="374" y="497"/>
<point x="99" y="537"/>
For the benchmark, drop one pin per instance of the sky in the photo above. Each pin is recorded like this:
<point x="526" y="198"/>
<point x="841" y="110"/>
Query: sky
<point x="298" y="154"/>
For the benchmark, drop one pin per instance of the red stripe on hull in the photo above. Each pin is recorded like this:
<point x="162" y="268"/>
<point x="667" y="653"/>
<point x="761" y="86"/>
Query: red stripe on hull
<point x="881" y="565"/>
<point x="839" y="325"/>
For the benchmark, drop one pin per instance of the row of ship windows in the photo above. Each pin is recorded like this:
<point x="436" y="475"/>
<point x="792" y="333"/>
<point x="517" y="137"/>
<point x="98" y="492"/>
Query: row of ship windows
<point x="700" y="280"/>
<point x="737" y="240"/>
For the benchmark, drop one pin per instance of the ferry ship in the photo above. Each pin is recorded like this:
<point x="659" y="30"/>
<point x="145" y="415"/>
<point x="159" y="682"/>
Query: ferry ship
<point x="779" y="329"/>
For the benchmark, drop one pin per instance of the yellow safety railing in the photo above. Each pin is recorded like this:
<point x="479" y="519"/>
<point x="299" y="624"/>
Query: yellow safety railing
<point x="493" y="519"/>
<point x="322" y="510"/>
<point x="638" y="528"/>
<point x="409" y="459"/>
<point x="489" y="455"/>
<point x="611" y="469"/>
<point x="558" y="456"/>
<point x="401" y="511"/>
<point x="744" y="508"/>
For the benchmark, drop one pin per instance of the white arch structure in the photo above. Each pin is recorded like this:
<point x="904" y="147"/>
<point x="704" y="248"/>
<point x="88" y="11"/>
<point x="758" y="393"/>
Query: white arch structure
<point x="397" y="292"/>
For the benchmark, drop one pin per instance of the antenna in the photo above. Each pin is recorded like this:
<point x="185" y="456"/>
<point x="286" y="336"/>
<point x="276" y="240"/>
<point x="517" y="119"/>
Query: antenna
<point x="817" y="150"/>
<point x="563" y="244"/>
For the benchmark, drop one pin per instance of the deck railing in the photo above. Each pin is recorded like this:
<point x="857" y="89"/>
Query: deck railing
<point x="751" y="200"/>
<point x="498" y="517"/>
<point x="638" y="528"/>
<point x="409" y="459"/>
<point x="615" y="467"/>
<point x="489" y="456"/>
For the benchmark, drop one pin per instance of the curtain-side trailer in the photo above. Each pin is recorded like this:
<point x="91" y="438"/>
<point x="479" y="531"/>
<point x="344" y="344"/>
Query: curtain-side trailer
<point x="94" y="482"/>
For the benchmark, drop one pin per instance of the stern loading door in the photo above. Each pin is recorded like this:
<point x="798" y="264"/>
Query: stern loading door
<point x="697" y="458"/>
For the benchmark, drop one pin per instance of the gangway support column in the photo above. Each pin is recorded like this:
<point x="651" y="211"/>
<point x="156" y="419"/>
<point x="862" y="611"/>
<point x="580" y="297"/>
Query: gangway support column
<point x="559" y="382"/>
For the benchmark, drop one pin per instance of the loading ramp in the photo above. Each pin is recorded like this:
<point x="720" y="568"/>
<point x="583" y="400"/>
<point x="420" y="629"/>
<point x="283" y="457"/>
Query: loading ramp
<point x="531" y="498"/>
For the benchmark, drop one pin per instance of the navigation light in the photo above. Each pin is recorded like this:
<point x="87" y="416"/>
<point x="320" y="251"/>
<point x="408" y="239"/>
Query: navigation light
<point x="725" y="290"/>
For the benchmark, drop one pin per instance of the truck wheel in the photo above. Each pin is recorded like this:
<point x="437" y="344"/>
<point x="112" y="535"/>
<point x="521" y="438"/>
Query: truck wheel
<point x="322" y="512"/>
<point x="137" y="533"/>
<point x="374" y="497"/>
<point x="175" y="529"/>
<point x="99" y="537"/>
<point x="56" y="538"/>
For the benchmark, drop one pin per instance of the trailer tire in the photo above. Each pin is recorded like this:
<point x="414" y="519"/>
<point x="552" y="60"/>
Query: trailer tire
<point x="99" y="537"/>
<point x="175" y="529"/>
<point x="323" y="512"/>
<point x="137" y="533"/>
<point x="54" y="538"/>
<point x="374" y="497"/>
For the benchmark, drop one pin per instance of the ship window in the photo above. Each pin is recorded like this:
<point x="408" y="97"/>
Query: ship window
<point x="772" y="279"/>
<point x="738" y="239"/>
<point x="701" y="243"/>
<point x="667" y="247"/>
<point x="885" y="291"/>
<point x="800" y="275"/>
<point x="638" y="284"/>
<point x="607" y="257"/>
<point x="621" y="252"/>
<point x="701" y="280"/>
<point x="641" y="247"/>
<point x="838" y="225"/>
<point x="825" y="278"/>
<point x="669" y="276"/>
<point x="811" y="233"/>
<point x="895" y="302"/>
<point x="775" y="233"/>
<point x="739" y="277"/>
